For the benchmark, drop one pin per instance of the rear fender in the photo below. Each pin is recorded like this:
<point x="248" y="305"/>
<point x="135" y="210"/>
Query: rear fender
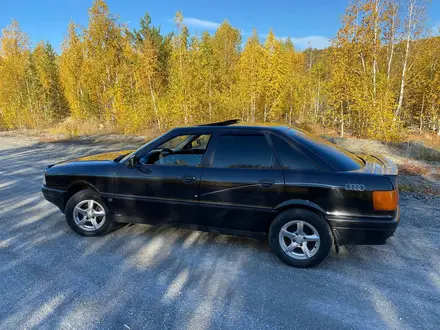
<point x="300" y="203"/>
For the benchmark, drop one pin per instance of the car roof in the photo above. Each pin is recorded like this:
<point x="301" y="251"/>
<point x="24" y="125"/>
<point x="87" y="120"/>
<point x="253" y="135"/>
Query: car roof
<point x="260" y="127"/>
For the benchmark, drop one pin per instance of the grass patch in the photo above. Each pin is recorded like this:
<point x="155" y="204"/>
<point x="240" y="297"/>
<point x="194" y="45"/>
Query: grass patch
<point x="90" y="126"/>
<point x="419" y="189"/>
<point x="408" y="168"/>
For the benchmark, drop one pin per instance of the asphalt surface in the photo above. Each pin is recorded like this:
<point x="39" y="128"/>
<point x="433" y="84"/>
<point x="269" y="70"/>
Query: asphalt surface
<point x="146" y="277"/>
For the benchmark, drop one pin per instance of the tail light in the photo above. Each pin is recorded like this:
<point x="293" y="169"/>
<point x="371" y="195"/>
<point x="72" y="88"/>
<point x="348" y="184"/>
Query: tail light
<point x="385" y="200"/>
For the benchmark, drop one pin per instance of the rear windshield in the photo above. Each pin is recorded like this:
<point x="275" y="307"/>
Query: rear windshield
<point x="338" y="157"/>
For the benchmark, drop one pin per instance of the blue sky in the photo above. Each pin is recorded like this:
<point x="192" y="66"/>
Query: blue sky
<point x="305" y="21"/>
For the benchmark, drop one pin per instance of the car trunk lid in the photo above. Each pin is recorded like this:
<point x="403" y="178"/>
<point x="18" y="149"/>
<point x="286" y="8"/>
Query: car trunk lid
<point x="378" y="164"/>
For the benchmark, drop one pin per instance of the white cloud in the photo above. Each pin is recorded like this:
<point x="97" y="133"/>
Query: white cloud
<point x="319" y="42"/>
<point x="195" y="22"/>
<point x="436" y="28"/>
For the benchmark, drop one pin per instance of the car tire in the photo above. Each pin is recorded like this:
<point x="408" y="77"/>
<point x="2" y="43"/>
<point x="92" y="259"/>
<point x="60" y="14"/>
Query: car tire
<point x="297" y="248"/>
<point x="77" y="208"/>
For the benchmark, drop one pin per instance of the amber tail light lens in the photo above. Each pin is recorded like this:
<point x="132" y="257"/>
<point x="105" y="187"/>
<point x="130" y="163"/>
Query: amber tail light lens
<point x="385" y="200"/>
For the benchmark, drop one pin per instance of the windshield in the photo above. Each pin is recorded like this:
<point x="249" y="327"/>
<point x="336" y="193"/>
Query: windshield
<point x="134" y="152"/>
<point x="336" y="156"/>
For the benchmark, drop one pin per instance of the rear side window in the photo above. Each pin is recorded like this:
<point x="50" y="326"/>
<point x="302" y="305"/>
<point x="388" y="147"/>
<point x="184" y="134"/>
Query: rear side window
<point x="243" y="151"/>
<point x="291" y="158"/>
<point x="339" y="158"/>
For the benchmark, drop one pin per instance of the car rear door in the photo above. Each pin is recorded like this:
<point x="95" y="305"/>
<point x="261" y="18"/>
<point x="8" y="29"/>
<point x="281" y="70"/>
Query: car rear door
<point x="241" y="183"/>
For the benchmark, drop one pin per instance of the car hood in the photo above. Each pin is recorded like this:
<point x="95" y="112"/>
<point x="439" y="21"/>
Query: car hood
<point x="102" y="157"/>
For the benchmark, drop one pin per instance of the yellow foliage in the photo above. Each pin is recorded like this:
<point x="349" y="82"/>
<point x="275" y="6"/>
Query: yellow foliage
<point x="136" y="80"/>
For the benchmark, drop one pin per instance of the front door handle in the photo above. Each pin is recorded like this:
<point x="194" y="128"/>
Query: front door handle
<point x="188" y="179"/>
<point x="267" y="183"/>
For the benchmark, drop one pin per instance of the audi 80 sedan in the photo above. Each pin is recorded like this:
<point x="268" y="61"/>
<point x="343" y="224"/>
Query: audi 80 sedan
<point x="301" y="192"/>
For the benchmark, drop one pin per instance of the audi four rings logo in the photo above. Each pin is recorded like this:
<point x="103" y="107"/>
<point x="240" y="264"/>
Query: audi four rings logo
<point x="355" y="187"/>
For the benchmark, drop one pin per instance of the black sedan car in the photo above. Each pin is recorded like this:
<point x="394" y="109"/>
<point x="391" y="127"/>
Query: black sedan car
<point x="300" y="191"/>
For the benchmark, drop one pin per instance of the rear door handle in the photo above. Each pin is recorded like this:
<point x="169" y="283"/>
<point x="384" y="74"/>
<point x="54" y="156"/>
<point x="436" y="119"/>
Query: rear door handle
<point x="267" y="183"/>
<point x="188" y="179"/>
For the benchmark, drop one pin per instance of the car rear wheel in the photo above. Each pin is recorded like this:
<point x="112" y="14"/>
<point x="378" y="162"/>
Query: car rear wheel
<point x="87" y="215"/>
<point x="300" y="238"/>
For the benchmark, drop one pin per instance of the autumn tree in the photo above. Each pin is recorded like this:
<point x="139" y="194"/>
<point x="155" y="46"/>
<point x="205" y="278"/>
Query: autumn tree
<point x="71" y="73"/>
<point x="54" y="103"/>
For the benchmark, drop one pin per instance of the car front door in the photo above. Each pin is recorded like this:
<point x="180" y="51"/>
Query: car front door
<point x="241" y="184"/>
<point x="163" y="185"/>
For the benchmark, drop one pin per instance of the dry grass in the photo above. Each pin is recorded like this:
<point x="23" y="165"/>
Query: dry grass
<point x="74" y="127"/>
<point x="409" y="168"/>
<point x="419" y="189"/>
<point x="436" y="174"/>
<point x="430" y="139"/>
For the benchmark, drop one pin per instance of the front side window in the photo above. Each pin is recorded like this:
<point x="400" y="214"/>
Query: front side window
<point x="174" y="142"/>
<point x="182" y="150"/>
<point x="243" y="151"/>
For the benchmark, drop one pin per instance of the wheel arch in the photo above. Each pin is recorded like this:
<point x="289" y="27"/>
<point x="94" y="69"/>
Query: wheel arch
<point x="75" y="187"/>
<point x="300" y="203"/>
<point x="307" y="205"/>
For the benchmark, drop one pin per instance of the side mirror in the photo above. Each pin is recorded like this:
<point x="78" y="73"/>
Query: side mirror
<point x="117" y="159"/>
<point x="132" y="162"/>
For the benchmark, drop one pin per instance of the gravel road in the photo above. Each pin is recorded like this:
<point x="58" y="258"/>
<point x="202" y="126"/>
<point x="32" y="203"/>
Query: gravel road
<point x="146" y="277"/>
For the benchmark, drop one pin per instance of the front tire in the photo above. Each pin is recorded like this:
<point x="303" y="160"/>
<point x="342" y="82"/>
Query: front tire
<point x="300" y="238"/>
<point x="87" y="215"/>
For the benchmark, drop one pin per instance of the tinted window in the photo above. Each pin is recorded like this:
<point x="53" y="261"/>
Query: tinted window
<point x="291" y="158"/>
<point x="243" y="151"/>
<point x="339" y="158"/>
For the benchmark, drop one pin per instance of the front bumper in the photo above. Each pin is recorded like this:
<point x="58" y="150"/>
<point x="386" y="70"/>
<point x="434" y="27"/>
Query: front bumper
<point x="55" y="196"/>
<point x="363" y="231"/>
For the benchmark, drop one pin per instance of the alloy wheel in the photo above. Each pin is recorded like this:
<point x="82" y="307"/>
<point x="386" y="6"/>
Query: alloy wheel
<point x="89" y="215"/>
<point x="299" y="239"/>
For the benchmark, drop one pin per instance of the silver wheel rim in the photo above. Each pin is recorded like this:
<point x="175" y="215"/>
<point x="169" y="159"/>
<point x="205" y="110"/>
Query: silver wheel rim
<point x="89" y="215"/>
<point x="299" y="240"/>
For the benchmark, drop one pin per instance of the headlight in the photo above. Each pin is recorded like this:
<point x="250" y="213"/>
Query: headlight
<point x="44" y="178"/>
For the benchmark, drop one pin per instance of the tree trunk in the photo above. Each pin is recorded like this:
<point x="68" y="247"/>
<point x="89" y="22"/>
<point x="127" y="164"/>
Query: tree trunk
<point x="153" y="99"/>
<point x="342" y="120"/>
<point x="376" y="18"/>
<point x="210" y="102"/>
<point x="405" y="60"/>
<point x="421" y="114"/>
<point x="317" y="105"/>
<point x="291" y="107"/>
<point x="393" y="27"/>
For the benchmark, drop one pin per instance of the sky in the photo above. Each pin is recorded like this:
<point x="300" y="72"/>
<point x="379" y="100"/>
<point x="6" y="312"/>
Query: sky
<point x="307" y="22"/>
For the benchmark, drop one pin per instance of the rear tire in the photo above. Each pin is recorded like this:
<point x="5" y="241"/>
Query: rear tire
<point x="300" y="238"/>
<point x="87" y="215"/>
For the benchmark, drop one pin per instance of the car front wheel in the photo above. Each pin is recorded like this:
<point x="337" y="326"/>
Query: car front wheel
<point x="87" y="215"/>
<point x="300" y="238"/>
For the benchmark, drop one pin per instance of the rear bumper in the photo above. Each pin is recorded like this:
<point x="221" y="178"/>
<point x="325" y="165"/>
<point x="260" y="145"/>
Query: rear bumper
<point x="55" y="196"/>
<point x="363" y="231"/>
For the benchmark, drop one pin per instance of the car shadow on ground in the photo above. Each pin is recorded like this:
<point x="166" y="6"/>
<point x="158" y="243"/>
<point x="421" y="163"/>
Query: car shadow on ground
<point x="162" y="277"/>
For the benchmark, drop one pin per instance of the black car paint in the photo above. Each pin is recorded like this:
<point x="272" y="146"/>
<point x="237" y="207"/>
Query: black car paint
<point x="232" y="200"/>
